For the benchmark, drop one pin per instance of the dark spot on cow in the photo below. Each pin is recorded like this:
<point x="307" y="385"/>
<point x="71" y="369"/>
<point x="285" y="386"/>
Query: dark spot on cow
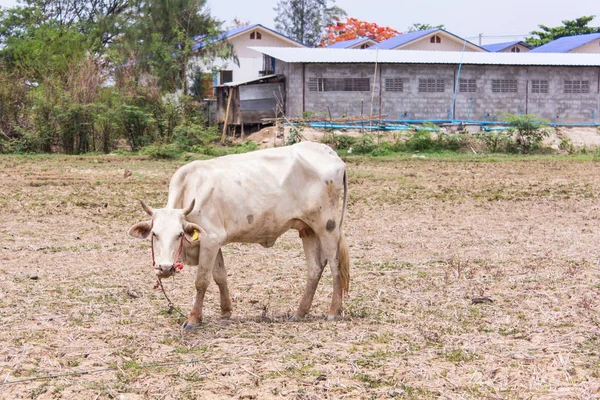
<point x="330" y="225"/>
<point x="250" y="218"/>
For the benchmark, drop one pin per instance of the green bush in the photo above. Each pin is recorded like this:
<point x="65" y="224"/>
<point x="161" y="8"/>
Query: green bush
<point x="528" y="129"/>
<point x="161" y="151"/>
<point x="496" y="141"/>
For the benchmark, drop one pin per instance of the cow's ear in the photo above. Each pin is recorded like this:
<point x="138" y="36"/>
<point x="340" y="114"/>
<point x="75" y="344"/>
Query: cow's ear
<point x="141" y="230"/>
<point x="193" y="232"/>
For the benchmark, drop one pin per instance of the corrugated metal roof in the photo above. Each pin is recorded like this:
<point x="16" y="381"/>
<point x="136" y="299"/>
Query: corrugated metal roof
<point x="239" y="83"/>
<point x="565" y="44"/>
<point x="347" y="56"/>
<point x="404" y="38"/>
<point x="349" y="43"/>
<point x="234" y="32"/>
<point x="494" y="47"/>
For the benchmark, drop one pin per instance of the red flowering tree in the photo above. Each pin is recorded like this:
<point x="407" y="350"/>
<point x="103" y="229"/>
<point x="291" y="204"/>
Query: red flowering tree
<point x="353" y="28"/>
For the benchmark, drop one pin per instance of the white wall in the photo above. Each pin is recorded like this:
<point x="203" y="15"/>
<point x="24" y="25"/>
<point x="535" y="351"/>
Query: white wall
<point x="250" y="61"/>
<point x="448" y="43"/>
<point x="591" y="47"/>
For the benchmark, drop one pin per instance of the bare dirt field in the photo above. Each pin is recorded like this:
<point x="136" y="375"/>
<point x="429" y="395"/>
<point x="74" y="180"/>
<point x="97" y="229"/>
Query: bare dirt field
<point x="471" y="278"/>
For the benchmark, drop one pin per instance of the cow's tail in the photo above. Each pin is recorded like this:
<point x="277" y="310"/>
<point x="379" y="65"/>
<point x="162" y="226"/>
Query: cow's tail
<point x="343" y="255"/>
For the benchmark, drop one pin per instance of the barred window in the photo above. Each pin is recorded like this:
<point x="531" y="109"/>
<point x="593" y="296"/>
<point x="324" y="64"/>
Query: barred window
<point x="431" y="85"/>
<point x="515" y="50"/>
<point x="467" y="85"/>
<point x="339" y="84"/>
<point x="577" y="87"/>
<point x="394" y="85"/>
<point x="504" y="86"/>
<point x="539" y="86"/>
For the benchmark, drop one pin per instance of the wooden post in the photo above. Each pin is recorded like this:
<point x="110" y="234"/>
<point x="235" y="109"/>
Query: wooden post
<point x="226" y="115"/>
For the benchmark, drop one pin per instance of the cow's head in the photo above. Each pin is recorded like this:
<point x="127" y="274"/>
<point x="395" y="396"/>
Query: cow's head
<point x="168" y="231"/>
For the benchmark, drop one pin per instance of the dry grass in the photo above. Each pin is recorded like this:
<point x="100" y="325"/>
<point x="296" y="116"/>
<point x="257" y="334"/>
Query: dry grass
<point x="426" y="237"/>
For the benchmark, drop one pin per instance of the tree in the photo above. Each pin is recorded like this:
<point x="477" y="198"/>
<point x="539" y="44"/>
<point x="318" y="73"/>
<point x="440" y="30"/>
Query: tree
<point x="574" y="27"/>
<point x="423" y="27"/>
<point x="353" y="28"/>
<point x="305" y="20"/>
<point x="161" y="39"/>
<point x="99" y="20"/>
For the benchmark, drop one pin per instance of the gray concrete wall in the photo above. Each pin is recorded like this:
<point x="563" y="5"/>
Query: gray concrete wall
<point x="412" y="104"/>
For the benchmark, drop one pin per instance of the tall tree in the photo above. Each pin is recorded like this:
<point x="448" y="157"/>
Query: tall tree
<point x="353" y="28"/>
<point x="100" y="20"/>
<point x="423" y="27"/>
<point x="574" y="27"/>
<point x="305" y="20"/>
<point x="162" y="37"/>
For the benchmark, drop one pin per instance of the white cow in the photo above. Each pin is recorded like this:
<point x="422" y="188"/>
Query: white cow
<point x="253" y="198"/>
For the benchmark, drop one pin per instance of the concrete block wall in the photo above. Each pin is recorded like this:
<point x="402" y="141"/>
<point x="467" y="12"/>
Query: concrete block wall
<point x="484" y="104"/>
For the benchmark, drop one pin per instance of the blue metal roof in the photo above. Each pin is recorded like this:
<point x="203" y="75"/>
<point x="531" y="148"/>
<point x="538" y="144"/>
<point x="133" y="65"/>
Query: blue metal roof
<point x="401" y="39"/>
<point x="349" y="43"/>
<point x="496" y="47"/>
<point x="234" y="32"/>
<point x="566" y="44"/>
<point x="405" y="38"/>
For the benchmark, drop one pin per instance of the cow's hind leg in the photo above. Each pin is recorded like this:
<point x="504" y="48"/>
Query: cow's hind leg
<point x="220" y="277"/>
<point x="335" y="251"/>
<point x="312" y="250"/>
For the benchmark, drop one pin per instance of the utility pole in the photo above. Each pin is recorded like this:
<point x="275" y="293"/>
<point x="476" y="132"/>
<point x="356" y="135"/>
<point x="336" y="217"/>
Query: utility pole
<point x="480" y="36"/>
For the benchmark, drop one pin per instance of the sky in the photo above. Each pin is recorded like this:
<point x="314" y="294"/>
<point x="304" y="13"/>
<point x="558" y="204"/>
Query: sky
<point x="498" y="21"/>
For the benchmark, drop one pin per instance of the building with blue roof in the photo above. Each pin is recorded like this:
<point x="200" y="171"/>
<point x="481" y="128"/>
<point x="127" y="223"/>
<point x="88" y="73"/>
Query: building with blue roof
<point x="250" y="63"/>
<point x="431" y="39"/>
<point x="358" y="43"/>
<point x="516" y="46"/>
<point x="572" y="44"/>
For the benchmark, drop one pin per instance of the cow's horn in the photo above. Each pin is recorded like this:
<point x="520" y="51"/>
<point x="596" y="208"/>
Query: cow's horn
<point x="190" y="208"/>
<point x="149" y="210"/>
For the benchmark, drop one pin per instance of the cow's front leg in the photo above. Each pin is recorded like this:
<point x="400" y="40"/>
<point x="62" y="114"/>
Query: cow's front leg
<point x="220" y="277"/>
<point x="208" y="255"/>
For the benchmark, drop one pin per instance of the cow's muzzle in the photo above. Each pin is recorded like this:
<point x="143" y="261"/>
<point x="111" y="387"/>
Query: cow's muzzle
<point x="165" y="270"/>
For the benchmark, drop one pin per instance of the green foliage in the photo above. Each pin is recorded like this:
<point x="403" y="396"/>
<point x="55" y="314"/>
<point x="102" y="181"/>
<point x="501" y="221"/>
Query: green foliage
<point x="574" y="27"/>
<point x="496" y="141"/>
<point x="295" y="134"/>
<point x="423" y="27"/>
<point x="197" y="138"/>
<point x="305" y="20"/>
<point x="528" y="130"/>
<point x="137" y="124"/>
<point x="159" y="151"/>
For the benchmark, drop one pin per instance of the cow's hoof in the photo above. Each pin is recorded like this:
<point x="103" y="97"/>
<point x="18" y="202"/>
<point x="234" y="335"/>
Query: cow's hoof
<point x="331" y="318"/>
<point x="189" y="326"/>
<point x="226" y="315"/>
<point x="295" y="318"/>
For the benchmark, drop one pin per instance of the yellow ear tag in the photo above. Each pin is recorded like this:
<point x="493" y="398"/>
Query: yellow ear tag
<point x="195" y="235"/>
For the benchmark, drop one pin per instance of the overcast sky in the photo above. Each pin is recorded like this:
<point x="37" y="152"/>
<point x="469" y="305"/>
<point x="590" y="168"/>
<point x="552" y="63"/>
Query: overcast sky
<point x="498" y="21"/>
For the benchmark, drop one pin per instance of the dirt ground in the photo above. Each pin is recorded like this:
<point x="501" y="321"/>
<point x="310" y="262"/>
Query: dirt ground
<point x="471" y="278"/>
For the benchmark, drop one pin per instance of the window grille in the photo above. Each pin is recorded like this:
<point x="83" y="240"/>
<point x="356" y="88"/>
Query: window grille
<point x="539" y="86"/>
<point x="504" y="86"/>
<point x="575" y="87"/>
<point x="339" y="84"/>
<point x="431" y="85"/>
<point x="394" y="85"/>
<point x="467" y="85"/>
